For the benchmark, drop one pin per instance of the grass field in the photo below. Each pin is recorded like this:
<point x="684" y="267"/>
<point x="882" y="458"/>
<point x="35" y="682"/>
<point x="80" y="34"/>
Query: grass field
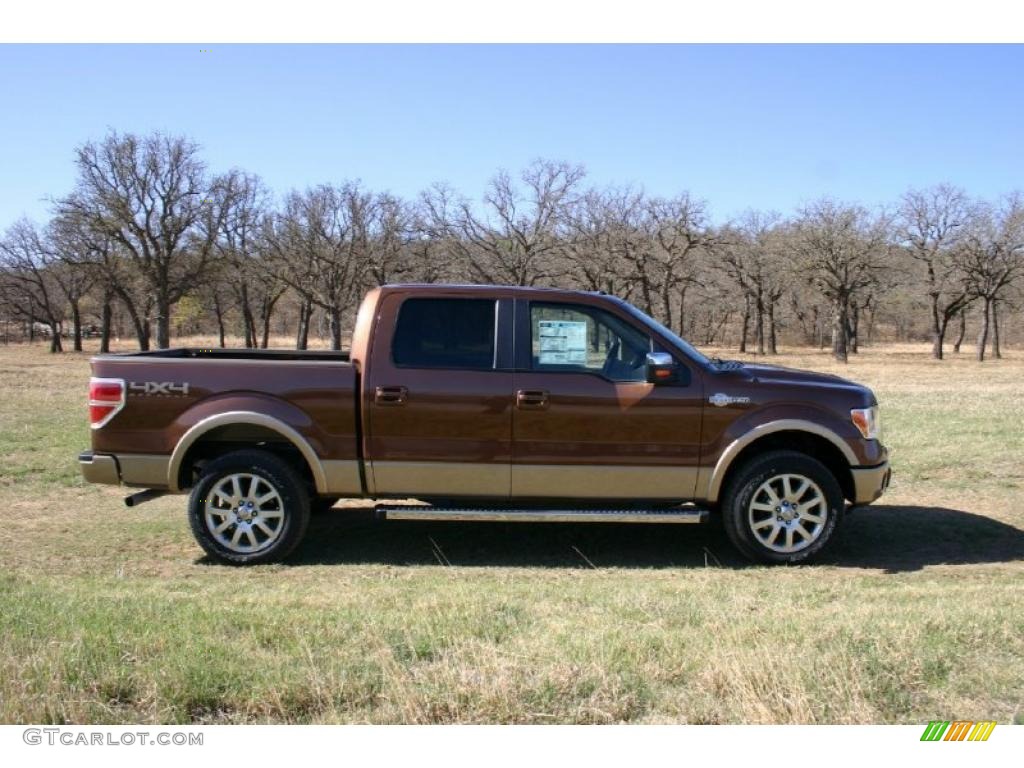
<point x="109" y="614"/>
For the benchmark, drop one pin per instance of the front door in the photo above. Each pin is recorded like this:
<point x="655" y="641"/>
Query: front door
<point x="586" y="423"/>
<point x="439" y="398"/>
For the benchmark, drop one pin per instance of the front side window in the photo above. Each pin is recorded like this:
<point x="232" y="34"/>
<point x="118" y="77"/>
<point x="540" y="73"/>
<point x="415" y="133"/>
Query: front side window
<point x="445" y="333"/>
<point x="576" y="337"/>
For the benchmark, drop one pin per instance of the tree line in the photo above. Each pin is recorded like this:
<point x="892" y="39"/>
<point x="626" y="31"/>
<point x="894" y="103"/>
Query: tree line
<point x="150" y="234"/>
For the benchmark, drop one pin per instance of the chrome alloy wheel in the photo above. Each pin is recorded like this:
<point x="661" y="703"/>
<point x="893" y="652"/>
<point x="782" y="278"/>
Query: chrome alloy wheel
<point x="787" y="513"/>
<point x="244" y="513"/>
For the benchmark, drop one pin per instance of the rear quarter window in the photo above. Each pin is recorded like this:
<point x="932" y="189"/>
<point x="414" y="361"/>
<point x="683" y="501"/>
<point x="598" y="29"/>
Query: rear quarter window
<point x="445" y="333"/>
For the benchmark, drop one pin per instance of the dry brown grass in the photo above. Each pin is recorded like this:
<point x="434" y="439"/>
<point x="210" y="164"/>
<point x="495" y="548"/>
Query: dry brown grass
<point x="111" y="614"/>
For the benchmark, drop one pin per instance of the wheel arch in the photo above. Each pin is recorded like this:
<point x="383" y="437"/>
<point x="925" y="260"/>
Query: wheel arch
<point x="245" y="426"/>
<point x="809" y="438"/>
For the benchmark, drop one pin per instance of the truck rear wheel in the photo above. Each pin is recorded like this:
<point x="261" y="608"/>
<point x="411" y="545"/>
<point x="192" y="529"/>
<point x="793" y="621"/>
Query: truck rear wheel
<point x="782" y="507"/>
<point x="249" y="507"/>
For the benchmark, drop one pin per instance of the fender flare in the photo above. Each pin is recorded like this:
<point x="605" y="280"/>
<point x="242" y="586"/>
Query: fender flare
<point x="200" y="428"/>
<point x="717" y="474"/>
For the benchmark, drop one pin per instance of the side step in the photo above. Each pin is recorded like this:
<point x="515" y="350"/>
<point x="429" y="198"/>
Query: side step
<point x="509" y="515"/>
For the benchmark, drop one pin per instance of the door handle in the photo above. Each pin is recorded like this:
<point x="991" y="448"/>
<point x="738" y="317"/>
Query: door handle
<point x="532" y="399"/>
<point x="390" y="395"/>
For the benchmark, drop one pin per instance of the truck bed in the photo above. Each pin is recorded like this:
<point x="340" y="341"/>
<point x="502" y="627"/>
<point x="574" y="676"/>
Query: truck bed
<point x="307" y="398"/>
<point x="217" y="353"/>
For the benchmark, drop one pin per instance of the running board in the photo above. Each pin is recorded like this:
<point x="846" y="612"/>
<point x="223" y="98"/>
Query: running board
<point x="506" y="515"/>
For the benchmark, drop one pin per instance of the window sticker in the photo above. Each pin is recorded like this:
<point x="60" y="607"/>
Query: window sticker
<point x="563" y="342"/>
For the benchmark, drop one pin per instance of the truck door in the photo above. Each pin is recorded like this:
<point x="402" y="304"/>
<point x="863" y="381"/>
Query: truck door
<point x="586" y="423"/>
<point x="438" y="398"/>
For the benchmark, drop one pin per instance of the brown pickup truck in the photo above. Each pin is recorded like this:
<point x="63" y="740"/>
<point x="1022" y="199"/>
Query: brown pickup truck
<point x="487" y="403"/>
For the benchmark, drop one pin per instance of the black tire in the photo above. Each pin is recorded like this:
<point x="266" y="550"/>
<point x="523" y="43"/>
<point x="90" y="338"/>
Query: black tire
<point x="751" y="517"/>
<point x="286" y="515"/>
<point x="319" y="505"/>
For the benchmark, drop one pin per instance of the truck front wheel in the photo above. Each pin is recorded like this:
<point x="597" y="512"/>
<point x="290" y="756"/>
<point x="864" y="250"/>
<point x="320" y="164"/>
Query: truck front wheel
<point x="249" y="507"/>
<point x="782" y="507"/>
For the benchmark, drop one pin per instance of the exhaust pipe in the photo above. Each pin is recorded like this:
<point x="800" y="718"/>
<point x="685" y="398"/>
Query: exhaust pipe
<point x="142" y="496"/>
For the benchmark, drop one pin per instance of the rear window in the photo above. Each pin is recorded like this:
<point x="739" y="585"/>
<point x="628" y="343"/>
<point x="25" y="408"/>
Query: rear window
<point x="445" y="333"/>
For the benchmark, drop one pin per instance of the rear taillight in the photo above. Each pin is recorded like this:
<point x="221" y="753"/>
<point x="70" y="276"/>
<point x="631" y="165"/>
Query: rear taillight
<point x="106" y="398"/>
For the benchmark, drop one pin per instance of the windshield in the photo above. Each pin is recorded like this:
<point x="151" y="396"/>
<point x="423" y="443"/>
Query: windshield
<point x="678" y="341"/>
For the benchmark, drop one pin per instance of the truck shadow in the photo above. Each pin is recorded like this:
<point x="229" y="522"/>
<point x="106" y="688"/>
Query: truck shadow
<point x="891" y="538"/>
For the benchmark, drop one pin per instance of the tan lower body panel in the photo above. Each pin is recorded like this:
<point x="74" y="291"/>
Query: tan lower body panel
<point x="342" y="478"/>
<point x="602" y="481"/>
<point x="144" y="470"/>
<point x="870" y="483"/>
<point x="100" y="469"/>
<point x="440" y="478"/>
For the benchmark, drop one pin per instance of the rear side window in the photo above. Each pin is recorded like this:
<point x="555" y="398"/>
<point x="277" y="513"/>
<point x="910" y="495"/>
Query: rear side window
<point x="445" y="333"/>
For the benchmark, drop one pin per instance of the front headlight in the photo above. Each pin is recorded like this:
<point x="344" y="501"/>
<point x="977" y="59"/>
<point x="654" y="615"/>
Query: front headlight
<point x="868" y="421"/>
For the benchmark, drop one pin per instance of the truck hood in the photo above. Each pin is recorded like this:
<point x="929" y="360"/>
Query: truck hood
<point x="778" y="375"/>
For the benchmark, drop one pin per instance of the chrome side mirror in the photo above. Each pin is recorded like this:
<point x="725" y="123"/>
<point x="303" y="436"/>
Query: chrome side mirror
<point x="661" y="368"/>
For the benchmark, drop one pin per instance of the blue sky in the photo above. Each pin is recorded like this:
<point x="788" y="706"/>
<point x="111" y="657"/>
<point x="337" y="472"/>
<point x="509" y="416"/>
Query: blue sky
<point x="768" y="127"/>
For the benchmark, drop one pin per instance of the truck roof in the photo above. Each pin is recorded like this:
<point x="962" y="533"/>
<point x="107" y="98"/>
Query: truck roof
<point x="490" y="290"/>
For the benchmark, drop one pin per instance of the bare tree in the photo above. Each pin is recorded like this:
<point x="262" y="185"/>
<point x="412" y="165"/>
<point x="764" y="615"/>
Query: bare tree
<point x="252" y="288"/>
<point x="68" y="256"/>
<point x="843" y="248"/>
<point x="750" y="255"/>
<point x="27" y="281"/>
<point x="678" y="233"/>
<point x="236" y="242"/>
<point x="519" y="237"/>
<point x="607" y="230"/>
<point x="153" y="197"/>
<point x="390" y="228"/>
<point x="993" y="257"/>
<point x="931" y="225"/>
<point x="320" y="246"/>
<point x="111" y="269"/>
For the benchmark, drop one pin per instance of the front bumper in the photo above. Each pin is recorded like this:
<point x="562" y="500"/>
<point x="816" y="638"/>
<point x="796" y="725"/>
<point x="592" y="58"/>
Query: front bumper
<point x="99" y="469"/>
<point x="870" y="482"/>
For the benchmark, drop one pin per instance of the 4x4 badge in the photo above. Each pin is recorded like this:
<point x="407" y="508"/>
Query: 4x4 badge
<point x="157" y="388"/>
<point x="721" y="399"/>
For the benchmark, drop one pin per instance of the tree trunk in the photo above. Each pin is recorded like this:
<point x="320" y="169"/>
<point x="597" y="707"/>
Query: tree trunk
<point x="218" y="312"/>
<point x="871" y="323"/>
<point x="76" y="326"/>
<point x="745" y="328"/>
<point x="840" y="324"/>
<point x="105" y="323"/>
<point x="666" y="306"/>
<point x="266" y="331"/>
<point x="248" y="322"/>
<point x="302" y="336"/>
<point x="759" y="322"/>
<point x="986" y="311"/>
<point x="772" y="346"/>
<point x="163" y="321"/>
<point x="55" y="344"/>
<point x="645" y="291"/>
<point x="962" y="332"/>
<point x="938" y="328"/>
<point x="938" y="338"/>
<point x="996" y="351"/>
<point x="682" y="311"/>
<point x="139" y="323"/>
<point x="335" y="319"/>
<point x="854" y="330"/>
<point x="266" y="312"/>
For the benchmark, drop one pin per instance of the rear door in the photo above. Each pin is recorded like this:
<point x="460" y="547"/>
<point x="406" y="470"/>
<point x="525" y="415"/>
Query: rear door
<point x="587" y="425"/>
<point x="439" y="397"/>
